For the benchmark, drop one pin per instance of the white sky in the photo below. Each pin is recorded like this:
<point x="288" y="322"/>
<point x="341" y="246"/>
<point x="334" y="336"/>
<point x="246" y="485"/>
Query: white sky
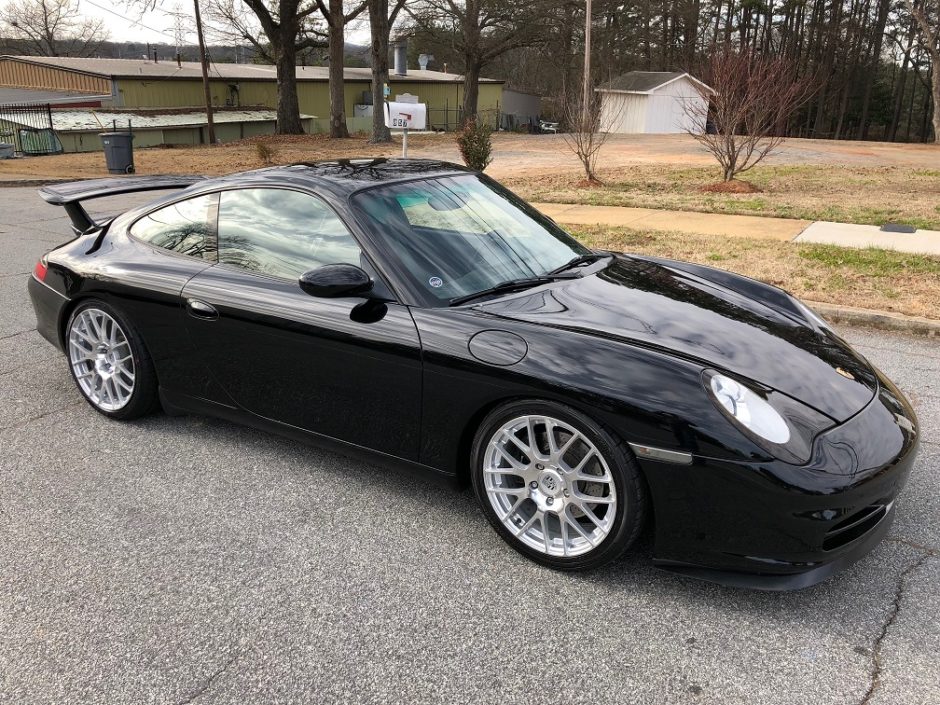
<point x="130" y="24"/>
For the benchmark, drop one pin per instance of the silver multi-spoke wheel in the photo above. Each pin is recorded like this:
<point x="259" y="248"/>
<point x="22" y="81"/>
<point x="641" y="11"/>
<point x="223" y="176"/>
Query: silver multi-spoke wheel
<point x="101" y="359"/>
<point x="549" y="485"/>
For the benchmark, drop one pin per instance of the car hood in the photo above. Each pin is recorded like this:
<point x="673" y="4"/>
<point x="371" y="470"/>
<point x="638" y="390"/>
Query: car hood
<point x="714" y="317"/>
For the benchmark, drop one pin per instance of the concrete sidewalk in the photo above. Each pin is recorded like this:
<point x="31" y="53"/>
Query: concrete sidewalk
<point x="785" y="229"/>
<point x="923" y="242"/>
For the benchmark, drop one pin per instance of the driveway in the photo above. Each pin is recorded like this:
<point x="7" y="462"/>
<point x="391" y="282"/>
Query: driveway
<point x="187" y="560"/>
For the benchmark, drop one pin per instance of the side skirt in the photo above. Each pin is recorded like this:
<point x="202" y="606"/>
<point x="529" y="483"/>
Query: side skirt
<point x="177" y="404"/>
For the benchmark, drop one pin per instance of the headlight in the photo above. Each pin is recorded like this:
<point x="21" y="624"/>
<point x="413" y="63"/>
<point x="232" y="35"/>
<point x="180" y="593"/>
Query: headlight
<point x="750" y="410"/>
<point x="779" y="424"/>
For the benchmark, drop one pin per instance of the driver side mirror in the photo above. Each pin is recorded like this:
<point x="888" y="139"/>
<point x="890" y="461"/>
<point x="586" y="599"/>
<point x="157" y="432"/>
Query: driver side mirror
<point x="332" y="281"/>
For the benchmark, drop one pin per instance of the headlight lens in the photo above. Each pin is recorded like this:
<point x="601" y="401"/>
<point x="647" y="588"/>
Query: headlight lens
<point x="750" y="410"/>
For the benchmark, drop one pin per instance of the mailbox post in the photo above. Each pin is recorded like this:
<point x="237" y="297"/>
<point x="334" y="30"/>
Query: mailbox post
<point x="405" y="116"/>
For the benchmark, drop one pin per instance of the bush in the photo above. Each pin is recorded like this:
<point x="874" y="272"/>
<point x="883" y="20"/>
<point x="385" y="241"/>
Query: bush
<point x="266" y="153"/>
<point x="475" y="144"/>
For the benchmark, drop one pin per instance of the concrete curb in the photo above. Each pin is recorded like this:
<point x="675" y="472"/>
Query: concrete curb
<point x="882" y="320"/>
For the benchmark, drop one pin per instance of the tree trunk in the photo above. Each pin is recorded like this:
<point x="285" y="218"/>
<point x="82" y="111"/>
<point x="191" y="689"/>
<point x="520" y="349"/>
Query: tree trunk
<point x="471" y="88"/>
<point x="902" y="82"/>
<point x="379" y="26"/>
<point x="935" y="88"/>
<point x="337" y="64"/>
<point x="288" y="107"/>
<point x="874" y="61"/>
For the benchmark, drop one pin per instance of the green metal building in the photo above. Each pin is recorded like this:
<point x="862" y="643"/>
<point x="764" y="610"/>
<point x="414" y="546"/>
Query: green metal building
<point x="143" y="84"/>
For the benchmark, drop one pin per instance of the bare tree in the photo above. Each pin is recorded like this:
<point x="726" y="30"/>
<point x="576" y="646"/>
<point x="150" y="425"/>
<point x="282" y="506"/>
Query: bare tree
<point x="746" y="116"/>
<point x="381" y="19"/>
<point x="927" y="16"/>
<point x="586" y="132"/>
<point x="53" y="27"/>
<point x="278" y="29"/>
<point x="334" y="12"/>
<point x="481" y="31"/>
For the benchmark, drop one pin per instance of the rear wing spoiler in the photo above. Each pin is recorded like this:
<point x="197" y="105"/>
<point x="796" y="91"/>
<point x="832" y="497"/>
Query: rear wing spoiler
<point x="70" y="195"/>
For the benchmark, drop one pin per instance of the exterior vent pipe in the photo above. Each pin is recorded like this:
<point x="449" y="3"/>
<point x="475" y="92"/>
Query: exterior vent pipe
<point x="401" y="57"/>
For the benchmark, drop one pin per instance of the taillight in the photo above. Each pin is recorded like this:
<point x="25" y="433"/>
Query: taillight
<point x="39" y="271"/>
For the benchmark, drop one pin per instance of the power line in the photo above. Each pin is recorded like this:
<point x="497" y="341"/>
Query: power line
<point x="133" y="22"/>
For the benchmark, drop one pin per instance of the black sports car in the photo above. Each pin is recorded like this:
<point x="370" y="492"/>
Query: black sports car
<point x="419" y="311"/>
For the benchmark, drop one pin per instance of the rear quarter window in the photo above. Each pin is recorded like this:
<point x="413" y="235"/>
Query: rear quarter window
<point x="184" y="227"/>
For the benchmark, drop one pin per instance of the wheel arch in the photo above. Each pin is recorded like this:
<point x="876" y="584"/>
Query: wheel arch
<point x="472" y="426"/>
<point x="69" y="308"/>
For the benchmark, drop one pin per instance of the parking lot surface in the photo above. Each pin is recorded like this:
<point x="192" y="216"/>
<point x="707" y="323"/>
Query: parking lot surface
<point x="188" y="560"/>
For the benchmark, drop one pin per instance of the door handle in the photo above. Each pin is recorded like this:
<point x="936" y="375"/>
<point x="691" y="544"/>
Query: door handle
<point x="200" y="309"/>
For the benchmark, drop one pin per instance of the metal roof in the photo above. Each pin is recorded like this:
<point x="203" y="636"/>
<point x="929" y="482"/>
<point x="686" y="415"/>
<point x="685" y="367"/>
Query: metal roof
<point x="144" y="68"/>
<point x="103" y="120"/>
<point x="30" y="95"/>
<point x="645" y="81"/>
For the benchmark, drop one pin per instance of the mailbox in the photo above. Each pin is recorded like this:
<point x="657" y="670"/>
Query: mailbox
<point x="413" y="116"/>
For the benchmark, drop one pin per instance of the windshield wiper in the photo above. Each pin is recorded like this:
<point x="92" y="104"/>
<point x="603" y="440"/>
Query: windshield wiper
<point x="511" y="285"/>
<point x="577" y="261"/>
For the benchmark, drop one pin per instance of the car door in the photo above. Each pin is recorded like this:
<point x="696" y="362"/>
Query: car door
<point x="167" y="247"/>
<point x="344" y="368"/>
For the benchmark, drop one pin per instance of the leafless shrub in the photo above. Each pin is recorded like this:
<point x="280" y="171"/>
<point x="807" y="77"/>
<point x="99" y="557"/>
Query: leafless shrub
<point x="746" y="114"/>
<point x="584" y="132"/>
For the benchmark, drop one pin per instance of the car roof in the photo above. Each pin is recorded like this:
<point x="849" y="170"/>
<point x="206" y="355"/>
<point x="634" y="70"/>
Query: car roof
<point x="345" y="176"/>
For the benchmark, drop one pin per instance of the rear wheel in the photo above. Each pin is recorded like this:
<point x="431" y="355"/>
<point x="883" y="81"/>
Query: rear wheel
<point x="109" y="362"/>
<point x="556" y="485"/>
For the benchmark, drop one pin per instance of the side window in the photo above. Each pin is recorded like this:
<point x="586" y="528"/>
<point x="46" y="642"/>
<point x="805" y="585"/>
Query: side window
<point x="281" y="233"/>
<point x="183" y="227"/>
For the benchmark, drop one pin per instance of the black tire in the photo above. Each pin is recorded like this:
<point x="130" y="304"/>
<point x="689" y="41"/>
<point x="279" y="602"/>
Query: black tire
<point x="630" y="486"/>
<point x="143" y="399"/>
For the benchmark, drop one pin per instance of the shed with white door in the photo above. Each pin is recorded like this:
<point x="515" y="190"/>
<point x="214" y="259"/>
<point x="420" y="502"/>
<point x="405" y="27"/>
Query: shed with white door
<point x="652" y="102"/>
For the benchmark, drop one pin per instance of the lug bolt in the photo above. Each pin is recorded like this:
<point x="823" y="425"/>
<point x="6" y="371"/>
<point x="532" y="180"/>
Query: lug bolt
<point x="567" y="493"/>
<point x="549" y="501"/>
<point x="539" y="466"/>
<point x="534" y="485"/>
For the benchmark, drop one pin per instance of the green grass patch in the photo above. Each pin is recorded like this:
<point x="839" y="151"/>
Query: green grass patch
<point x="871" y="262"/>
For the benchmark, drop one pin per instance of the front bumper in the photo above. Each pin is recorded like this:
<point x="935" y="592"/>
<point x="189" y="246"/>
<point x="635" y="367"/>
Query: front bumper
<point x="777" y="526"/>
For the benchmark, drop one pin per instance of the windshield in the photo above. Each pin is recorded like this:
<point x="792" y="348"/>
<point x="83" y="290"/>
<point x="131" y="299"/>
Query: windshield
<point x="459" y="235"/>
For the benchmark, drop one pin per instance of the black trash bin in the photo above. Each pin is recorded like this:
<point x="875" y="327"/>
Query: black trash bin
<point x="119" y="151"/>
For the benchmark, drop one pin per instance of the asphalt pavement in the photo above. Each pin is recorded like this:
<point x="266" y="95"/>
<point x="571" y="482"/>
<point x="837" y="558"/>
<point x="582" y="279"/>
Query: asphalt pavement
<point x="188" y="560"/>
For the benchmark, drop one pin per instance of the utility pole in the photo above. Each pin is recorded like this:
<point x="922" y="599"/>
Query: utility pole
<point x="203" y="59"/>
<point x="586" y="98"/>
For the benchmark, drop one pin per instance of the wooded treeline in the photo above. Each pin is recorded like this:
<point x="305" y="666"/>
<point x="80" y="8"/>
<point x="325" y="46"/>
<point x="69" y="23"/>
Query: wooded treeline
<point x="872" y="69"/>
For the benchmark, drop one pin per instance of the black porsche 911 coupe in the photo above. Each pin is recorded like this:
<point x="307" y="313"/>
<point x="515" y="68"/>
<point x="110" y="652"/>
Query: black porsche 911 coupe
<point x="420" y="312"/>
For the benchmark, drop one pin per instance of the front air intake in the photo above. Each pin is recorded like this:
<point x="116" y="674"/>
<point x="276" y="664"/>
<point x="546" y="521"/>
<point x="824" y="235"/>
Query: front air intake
<point x="854" y="526"/>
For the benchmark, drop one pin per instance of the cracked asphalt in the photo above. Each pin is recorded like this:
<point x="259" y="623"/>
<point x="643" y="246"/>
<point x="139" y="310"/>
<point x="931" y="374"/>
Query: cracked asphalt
<point x="188" y="560"/>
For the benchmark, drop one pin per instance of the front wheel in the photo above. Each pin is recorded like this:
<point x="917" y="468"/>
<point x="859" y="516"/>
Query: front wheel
<point x="109" y="362"/>
<point x="557" y="486"/>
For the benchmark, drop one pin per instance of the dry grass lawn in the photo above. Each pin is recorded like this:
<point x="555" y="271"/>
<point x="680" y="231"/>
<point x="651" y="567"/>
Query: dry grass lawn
<point x="222" y="159"/>
<point x="637" y="170"/>
<point x="856" y="194"/>
<point x="874" y="279"/>
<point x="642" y="172"/>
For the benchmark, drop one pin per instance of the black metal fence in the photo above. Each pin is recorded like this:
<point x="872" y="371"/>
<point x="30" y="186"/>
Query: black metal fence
<point x="28" y="127"/>
<point x="448" y="119"/>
